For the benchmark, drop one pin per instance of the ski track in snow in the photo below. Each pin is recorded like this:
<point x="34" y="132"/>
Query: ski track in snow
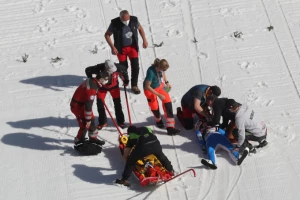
<point x="261" y="68"/>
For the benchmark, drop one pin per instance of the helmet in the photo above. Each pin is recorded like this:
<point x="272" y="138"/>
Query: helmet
<point x="110" y="66"/>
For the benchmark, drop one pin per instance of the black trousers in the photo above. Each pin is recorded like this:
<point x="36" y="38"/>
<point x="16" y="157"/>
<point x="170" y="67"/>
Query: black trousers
<point x="144" y="150"/>
<point x="248" y="137"/>
<point x="102" y="119"/>
<point x="135" y="69"/>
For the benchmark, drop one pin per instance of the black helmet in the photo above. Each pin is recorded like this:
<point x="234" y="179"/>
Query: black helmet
<point x="215" y="90"/>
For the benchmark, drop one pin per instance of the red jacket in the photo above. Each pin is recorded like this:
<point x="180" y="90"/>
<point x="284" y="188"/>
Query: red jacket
<point x="85" y="95"/>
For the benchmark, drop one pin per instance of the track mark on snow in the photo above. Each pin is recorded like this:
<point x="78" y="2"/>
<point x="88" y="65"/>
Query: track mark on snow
<point x="281" y="51"/>
<point x="78" y="12"/>
<point x="235" y="183"/>
<point x="226" y="12"/>
<point x="262" y="84"/>
<point x="246" y="65"/>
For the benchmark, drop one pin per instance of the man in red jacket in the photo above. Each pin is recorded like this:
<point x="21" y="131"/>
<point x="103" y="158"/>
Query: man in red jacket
<point x="81" y="106"/>
<point x="110" y="72"/>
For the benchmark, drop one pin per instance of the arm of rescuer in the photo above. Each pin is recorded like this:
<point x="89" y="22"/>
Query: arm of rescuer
<point x="197" y="101"/>
<point x="129" y="146"/>
<point x="91" y="91"/>
<point x="96" y="69"/>
<point x="217" y="111"/>
<point x="240" y="125"/>
<point x="123" y="73"/>
<point x="148" y="81"/>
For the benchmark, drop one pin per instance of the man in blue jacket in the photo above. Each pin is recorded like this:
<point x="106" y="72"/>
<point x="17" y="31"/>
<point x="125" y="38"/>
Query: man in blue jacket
<point x="194" y="102"/>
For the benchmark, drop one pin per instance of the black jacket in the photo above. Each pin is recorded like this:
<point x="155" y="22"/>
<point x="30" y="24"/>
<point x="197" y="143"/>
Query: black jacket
<point x="117" y="31"/>
<point x="219" y="110"/>
<point x="113" y="79"/>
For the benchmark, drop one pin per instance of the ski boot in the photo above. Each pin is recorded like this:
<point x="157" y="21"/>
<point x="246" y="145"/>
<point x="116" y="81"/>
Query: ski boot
<point x="208" y="163"/>
<point x="244" y="155"/>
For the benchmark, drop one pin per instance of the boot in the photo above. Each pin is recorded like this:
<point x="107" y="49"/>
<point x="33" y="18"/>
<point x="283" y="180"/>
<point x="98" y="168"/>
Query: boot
<point x="122" y="125"/>
<point x="208" y="163"/>
<point x="263" y="143"/>
<point x="244" y="155"/>
<point x="172" y="131"/>
<point x="122" y="182"/>
<point x="135" y="90"/>
<point x="100" y="126"/>
<point x="160" y="124"/>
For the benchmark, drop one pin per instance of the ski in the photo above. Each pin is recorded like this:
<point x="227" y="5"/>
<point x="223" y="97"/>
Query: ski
<point x="194" y="173"/>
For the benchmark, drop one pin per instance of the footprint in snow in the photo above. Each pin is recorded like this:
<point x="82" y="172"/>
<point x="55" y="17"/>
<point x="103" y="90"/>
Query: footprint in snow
<point x="262" y="84"/>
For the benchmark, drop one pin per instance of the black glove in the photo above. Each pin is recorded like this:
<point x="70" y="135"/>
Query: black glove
<point x="125" y="82"/>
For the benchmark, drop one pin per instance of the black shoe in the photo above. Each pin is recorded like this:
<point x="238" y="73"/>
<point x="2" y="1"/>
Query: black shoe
<point x="100" y="126"/>
<point x="160" y="124"/>
<point x="172" y="131"/>
<point x="122" y="182"/>
<point x="262" y="144"/>
<point x="253" y="150"/>
<point x="209" y="163"/>
<point x="135" y="90"/>
<point x="122" y="125"/>
<point x="244" y="155"/>
<point x="97" y="141"/>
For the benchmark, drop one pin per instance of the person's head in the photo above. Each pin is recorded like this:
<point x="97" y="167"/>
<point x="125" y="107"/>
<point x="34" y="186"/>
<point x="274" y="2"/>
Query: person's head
<point x="232" y="105"/>
<point x="110" y="67"/>
<point x="132" y="129"/>
<point x="125" y="17"/>
<point x="210" y="99"/>
<point x="161" y="64"/>
<point x="215" y="90"/>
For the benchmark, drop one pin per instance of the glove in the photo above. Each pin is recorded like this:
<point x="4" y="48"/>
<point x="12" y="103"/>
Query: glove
<point x="125" y="82"/>
<point x="197" y="125"/>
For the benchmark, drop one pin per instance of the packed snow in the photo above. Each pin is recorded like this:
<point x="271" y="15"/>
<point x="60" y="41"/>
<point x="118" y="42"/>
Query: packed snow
<point x="228" y="43"/>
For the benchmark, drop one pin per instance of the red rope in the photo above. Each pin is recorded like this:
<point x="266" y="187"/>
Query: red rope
<point x="127" y="105"/>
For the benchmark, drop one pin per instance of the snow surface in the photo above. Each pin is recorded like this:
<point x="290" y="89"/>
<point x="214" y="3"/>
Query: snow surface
<point x="261" y="68"/>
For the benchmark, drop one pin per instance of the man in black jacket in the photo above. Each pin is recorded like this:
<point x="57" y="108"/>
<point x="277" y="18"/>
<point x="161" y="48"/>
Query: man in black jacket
<point x="219" y="109"/>
<point x="125" y="32"/>
<point x="141" y="142"/>
<point x="109" y="72"/>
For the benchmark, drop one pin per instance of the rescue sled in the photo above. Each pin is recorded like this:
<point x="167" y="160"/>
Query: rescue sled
<point x="149" y="170"/>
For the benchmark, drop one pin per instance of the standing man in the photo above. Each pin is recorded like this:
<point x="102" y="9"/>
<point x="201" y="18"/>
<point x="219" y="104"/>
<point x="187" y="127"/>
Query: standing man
<point x="110" y="72"/>
<point x="125" y="32"/>
<point x="193" y="101"/>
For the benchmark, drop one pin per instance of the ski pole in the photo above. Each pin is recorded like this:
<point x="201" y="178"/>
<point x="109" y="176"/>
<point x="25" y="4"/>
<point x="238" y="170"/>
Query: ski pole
<point x="194" y="173"/>
<point x="127" y="105"/>
<point x="120" y="133"/>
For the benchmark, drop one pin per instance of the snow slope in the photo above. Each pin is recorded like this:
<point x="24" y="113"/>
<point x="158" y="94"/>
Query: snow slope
<point x="261" y="68"/>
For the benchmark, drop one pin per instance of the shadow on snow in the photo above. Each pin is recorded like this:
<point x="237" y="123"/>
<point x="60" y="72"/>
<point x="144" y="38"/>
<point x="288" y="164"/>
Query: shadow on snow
<point x="55" y="82"/>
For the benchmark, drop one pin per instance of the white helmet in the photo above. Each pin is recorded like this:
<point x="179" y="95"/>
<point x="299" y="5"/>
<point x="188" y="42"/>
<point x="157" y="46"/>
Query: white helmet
<point x="110" y="66"/>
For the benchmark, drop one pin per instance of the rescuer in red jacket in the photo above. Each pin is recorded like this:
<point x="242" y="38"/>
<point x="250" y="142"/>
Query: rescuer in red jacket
<point x="110" y="72"/>
<point x="81" y="106"/>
